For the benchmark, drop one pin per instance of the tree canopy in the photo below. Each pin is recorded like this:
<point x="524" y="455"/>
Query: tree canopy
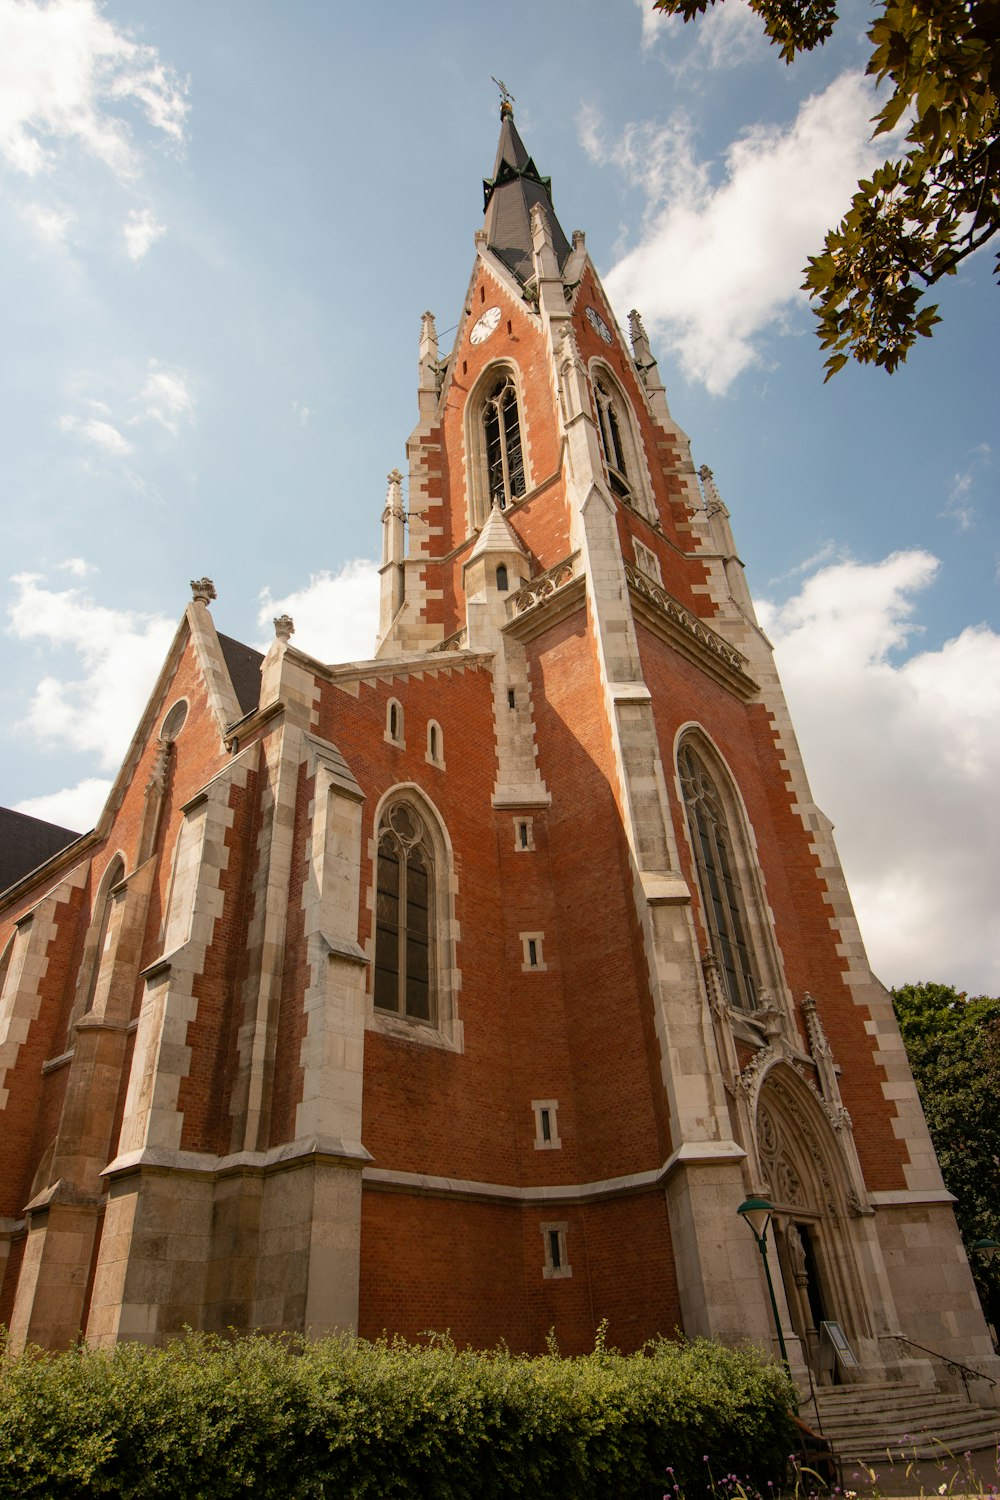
<point x="953" y="1044"/>
<point x="924" y="211"/>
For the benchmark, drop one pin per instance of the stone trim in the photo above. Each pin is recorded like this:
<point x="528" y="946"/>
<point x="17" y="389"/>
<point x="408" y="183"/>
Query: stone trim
<point x="53" y="1064"/>
<point x="696" y="1153"/>
<point x="907" y="1197"/>
<point x="540" y="613"/>
<point x="345" y="1153"/>
<point x="691" y="637"/>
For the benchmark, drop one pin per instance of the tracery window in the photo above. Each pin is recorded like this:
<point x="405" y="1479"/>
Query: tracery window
<point x="718" y="880"/>
<point x="404" y="915"/>
<point x="502" y="433"/>
<point x="612" y="442"/>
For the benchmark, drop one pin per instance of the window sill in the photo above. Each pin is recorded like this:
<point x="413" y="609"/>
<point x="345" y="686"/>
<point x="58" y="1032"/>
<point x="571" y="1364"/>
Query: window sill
<point x="447" y="1038"/>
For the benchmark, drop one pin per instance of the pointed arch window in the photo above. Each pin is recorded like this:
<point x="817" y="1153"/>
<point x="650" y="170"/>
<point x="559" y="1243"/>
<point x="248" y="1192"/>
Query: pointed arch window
<point x="404" y="916"/>
<point x="502" y="434"/>
<point x="718" y="880"/>
<point x="102" y="920"/>
<point x="609" y="422"/>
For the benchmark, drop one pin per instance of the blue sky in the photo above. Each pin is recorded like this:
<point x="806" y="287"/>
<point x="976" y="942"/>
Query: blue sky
<point x="219" y="225"/>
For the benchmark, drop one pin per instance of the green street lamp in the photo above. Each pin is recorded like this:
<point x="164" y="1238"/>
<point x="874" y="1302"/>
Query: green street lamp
<point x="756" y="1212"/>
<point x="985" y="1248"/>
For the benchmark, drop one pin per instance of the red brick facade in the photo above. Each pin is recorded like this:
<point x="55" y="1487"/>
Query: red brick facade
<point x="266" y="1146"/>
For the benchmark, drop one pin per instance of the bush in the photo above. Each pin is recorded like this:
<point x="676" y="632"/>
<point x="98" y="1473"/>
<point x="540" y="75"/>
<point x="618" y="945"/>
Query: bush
<point x="208" y="1418"/>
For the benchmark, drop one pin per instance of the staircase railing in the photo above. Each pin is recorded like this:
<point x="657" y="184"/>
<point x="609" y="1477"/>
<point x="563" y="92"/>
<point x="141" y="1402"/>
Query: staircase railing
<point x="966" y="1371"/>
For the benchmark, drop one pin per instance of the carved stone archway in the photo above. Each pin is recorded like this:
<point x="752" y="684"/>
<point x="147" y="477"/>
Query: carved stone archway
<point x="807" y="1174"/>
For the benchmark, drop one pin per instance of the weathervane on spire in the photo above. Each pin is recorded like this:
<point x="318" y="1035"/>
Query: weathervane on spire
<point x="506" y="98"/>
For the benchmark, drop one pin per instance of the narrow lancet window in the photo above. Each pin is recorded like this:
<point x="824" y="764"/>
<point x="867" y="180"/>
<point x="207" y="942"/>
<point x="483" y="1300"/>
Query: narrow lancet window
<point x="609" y="423"/>
<point x="403" y="916"/>
<point x="722" y="898"/>
<point x="504" y="458"/>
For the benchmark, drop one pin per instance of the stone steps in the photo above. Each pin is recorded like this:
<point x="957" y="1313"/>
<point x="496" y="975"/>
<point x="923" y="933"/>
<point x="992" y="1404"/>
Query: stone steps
<point x="906" y="1422"/>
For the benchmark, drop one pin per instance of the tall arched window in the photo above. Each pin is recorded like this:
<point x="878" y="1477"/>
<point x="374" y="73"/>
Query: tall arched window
<point x="101" y="922"/>
<point x="718" y="880"/>
<point x="502" y="434"/>
<point x="404" y="916"/>
<point x="612" y="442"/>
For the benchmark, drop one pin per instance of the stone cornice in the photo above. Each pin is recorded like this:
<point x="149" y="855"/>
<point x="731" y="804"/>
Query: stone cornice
<point x="667" y="618"/>
<point x="546" y="599"/>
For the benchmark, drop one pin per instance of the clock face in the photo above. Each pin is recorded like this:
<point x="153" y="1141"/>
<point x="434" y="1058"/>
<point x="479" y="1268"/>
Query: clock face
<point x="485" y="326"/>
<point x="598" y="324"/>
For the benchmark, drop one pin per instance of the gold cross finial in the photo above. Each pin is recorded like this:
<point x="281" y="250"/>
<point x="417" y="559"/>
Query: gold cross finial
<point x="506" y="98"/>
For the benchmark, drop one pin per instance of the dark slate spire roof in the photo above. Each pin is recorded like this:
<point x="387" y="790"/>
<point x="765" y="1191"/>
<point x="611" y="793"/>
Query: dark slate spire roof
<point x="508" y="198"/>
<point x="27" y="842"/>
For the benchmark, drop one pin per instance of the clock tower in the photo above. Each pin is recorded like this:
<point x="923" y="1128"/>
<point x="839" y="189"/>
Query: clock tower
<point x="477" y="985"/>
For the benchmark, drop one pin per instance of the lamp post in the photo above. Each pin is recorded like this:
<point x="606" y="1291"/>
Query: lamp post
<point x="756" y="1213"/>
<point x="986" y="1248"/>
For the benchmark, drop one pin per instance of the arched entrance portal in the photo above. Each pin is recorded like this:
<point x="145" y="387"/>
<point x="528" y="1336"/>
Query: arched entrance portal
<point x="805" y="1175"/>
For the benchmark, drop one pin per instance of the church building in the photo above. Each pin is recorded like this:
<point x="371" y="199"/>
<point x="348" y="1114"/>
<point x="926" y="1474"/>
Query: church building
<point x="476" y="986"/>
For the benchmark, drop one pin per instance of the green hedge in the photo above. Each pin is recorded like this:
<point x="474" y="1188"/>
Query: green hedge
<point x="207" y="1418"/>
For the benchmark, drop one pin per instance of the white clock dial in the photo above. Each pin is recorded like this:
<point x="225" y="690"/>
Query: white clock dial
<point x="598" y="324"/>
<point x="485" y="326"/>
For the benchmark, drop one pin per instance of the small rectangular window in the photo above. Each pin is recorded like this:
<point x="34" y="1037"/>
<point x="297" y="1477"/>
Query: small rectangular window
<point x="546" y="1112"/>
<point x="524" y="839"/>
<point x="511" y="700"/>
<point x="556" y="1258"/>
<point x="533" y="952"/>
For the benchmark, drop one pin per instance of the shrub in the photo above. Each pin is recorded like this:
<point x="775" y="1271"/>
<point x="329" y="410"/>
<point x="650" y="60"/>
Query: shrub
<point x="208" y="1418"/>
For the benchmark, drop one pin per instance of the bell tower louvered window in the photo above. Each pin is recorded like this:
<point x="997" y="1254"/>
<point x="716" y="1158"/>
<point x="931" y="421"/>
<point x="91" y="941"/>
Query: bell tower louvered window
<point x="718" y="879"/>
<point x="504" y="456"/>
<point x="403" y="922"/>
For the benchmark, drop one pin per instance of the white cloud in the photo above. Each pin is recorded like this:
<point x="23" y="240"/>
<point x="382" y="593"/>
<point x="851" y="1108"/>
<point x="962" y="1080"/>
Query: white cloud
<point x="959" y="506"/>
<point x="653" y="22"/>
<point x="78" y="566"/>
<point x="904" y="755"/>
<point x="77" y="807"/>
<point x="336" y="615"/>
<point x="722" y="38"/>
<point x="718" y="266"/>
<point x="301" y="411"/>
<point x="97" y="432"/>
<point x="729" y="34"/>
<point x="64" y="69"/>
<point x="119" y="653"/>
<point x="50" y="224"/>
<point x="165" y="397"/>
<point x="141" y="232"/>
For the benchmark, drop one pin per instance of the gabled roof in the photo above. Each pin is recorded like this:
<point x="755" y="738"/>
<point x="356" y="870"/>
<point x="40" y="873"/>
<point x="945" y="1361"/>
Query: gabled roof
<point x="26" y="843"/>
<point x="508" y="198"/>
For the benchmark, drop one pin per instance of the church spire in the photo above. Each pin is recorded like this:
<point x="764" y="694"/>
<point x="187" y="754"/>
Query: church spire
<point x="509" y="196"/>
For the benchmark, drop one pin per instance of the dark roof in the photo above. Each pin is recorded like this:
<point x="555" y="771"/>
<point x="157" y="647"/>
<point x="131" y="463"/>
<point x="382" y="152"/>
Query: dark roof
<point x="26" y="843"/>
<point x="508" y="198"/>
<point x="243" y="663"/>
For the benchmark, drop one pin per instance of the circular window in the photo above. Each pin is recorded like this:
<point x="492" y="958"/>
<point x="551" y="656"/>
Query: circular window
<point x="174" y="722"/>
